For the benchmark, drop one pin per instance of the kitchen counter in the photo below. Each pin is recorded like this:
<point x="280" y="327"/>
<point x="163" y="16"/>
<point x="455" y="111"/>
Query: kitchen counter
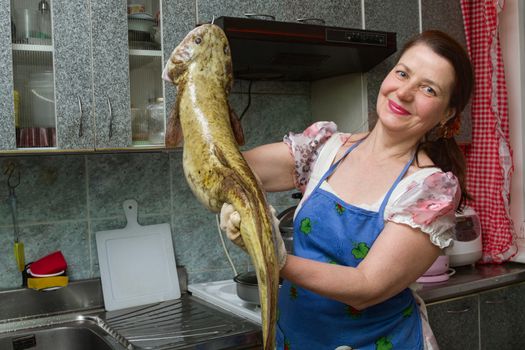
<point x="472" y="279"/>
<point x="190" y="322"/>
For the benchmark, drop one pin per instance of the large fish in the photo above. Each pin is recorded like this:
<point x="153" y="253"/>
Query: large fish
<point x="215" y="169"/>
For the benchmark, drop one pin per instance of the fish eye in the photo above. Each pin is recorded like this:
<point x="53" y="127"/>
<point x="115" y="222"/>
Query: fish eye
<point x="198" y="40"/>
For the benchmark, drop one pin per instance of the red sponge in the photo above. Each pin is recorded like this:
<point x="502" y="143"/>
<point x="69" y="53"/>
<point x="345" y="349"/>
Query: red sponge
<point x="49" y="264"/>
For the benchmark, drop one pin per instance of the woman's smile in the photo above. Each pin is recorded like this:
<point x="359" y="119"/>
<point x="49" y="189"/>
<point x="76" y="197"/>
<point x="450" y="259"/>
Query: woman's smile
<point x="397" y="109"/>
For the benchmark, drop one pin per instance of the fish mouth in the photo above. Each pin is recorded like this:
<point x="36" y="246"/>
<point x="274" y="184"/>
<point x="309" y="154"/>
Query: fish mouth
<point x="172" y="70"/>
<point x="166" y="74"/>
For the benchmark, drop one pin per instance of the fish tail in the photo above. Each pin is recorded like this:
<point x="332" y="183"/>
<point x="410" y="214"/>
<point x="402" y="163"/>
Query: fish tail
<point x="256" y="232"/>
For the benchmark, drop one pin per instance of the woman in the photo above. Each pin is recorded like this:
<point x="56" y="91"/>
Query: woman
<point x="377" y="208"/>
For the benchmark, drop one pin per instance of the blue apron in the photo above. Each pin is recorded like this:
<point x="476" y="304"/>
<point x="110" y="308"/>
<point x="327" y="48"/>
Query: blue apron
<point x="329" y="230"/>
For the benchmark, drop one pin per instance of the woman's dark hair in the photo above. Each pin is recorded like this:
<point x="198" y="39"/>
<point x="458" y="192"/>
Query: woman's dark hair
<point x="443" y="149"/>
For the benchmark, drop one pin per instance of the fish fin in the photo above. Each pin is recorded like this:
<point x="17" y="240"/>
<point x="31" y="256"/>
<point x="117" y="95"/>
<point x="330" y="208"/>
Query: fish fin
<point x="174" y="137"/>
<point x="236" y="126"/>
<point x="219" y="154"/>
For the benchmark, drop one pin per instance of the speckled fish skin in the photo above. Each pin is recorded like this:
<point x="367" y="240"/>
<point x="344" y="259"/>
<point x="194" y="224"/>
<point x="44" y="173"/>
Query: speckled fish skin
<point x="214" y="167"/>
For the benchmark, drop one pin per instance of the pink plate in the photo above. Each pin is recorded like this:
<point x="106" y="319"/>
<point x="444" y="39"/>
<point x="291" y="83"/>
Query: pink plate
<point x="433" y="279"/>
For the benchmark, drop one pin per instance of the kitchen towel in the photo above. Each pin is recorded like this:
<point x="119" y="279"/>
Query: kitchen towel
<point x="489" y="157"/>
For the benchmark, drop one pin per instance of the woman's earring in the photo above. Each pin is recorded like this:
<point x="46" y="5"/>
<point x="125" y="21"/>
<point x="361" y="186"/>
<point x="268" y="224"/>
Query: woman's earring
<point x="451" y="128"/>
<point x="446" y="128"/>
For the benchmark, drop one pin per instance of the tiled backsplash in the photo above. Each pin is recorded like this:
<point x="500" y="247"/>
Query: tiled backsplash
<point x="64" y="199"/>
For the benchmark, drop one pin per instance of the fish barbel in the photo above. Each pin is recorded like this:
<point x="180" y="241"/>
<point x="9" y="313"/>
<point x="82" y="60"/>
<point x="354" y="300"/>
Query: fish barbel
<point x="214" y="167"/>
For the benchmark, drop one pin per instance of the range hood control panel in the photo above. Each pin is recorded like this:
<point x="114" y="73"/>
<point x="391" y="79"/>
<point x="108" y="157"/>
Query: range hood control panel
<point x="355" y="37"/>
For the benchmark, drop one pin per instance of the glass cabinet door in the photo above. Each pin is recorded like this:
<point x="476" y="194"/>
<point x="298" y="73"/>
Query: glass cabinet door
<point x="7" y="112"/>
<point x="145" y="69"/>
<point x="33" y="77"/>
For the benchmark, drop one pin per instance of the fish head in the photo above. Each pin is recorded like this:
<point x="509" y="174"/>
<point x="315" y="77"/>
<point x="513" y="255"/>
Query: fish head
<point x="205" y="47"/>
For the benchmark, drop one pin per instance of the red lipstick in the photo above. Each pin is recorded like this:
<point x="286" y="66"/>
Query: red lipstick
<point x="397" y="109"/>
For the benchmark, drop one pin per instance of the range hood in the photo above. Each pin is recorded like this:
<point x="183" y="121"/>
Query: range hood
<point x="293" y="51"/>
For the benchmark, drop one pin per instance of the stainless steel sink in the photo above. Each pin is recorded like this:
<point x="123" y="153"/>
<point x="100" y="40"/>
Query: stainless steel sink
<point x="74" y="318"/>
<point x="80" y="334"/>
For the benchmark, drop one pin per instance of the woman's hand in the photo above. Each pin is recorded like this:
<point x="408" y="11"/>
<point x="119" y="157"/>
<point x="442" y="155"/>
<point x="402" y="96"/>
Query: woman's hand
<point x="230" y="222"/>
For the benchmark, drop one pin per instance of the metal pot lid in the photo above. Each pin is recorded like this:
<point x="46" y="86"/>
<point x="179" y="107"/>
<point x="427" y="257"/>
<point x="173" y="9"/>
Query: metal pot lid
<point x="286" y="220"/>
<point x="248" y="278"/>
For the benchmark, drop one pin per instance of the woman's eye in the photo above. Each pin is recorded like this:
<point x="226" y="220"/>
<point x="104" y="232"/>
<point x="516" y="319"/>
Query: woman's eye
<point x="401" y="74"/>
<point x="198" y="40"/>
<point x="429" y="91"/>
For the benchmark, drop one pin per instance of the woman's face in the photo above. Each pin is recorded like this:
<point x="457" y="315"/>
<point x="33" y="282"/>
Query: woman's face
<point x="414" y="97"/>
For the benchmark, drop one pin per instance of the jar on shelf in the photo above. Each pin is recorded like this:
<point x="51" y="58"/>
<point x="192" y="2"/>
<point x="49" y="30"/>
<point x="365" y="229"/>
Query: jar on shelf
<point x="42" y="99"/>
<point x="139" y="126"/>
<point x="44" y="21"/>
<point x="156" y="126"/>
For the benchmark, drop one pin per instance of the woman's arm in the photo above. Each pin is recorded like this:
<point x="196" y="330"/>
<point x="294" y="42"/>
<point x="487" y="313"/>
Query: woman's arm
<point x="274" y="165"/>
<point x="399" y="256"/>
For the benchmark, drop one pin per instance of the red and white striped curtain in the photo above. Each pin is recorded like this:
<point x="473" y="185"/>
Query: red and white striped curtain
<point x="489" y="157"/>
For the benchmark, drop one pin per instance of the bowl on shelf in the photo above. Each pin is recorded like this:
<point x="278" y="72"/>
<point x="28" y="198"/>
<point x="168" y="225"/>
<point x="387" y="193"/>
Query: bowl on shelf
<point x="141" y="22"/>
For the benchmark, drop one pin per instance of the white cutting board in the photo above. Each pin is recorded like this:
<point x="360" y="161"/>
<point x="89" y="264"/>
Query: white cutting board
<point x="137" y="263"/>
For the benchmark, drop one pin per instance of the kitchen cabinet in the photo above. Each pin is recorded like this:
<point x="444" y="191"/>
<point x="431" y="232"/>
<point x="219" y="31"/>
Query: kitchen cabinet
<point x="334" y="13"/>
<point x="209" y="9"/>
<point x="455" y="323"/>
<point x="493" y="319"/>
<point x="502" y="313"/>
<point x="111" y="80"/>
<point x="73" y="74"/>
<point x="99" y="72"/>
<point x="89" y="65"/>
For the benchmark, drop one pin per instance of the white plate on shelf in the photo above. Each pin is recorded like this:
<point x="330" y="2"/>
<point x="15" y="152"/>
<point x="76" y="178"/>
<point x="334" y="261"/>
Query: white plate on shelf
<point x="141" y="15"/>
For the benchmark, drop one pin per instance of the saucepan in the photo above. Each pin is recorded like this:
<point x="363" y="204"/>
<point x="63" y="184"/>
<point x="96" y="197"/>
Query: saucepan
<point x="247" y="288"/>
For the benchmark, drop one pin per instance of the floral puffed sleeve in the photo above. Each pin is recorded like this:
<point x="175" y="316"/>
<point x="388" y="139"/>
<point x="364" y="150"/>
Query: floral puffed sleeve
<point x="428" y="203"/>
<point x="305" y="148"/>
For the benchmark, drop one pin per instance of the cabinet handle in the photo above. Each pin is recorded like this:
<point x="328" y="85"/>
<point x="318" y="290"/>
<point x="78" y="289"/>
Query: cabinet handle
<point x="462" y="311"/>
<point x="250" y="15"/>
<point x="110" y="119"/>
<point x="81" y="126"/>
<point x="310" y="20"/>
<point x="497" y="301"/>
